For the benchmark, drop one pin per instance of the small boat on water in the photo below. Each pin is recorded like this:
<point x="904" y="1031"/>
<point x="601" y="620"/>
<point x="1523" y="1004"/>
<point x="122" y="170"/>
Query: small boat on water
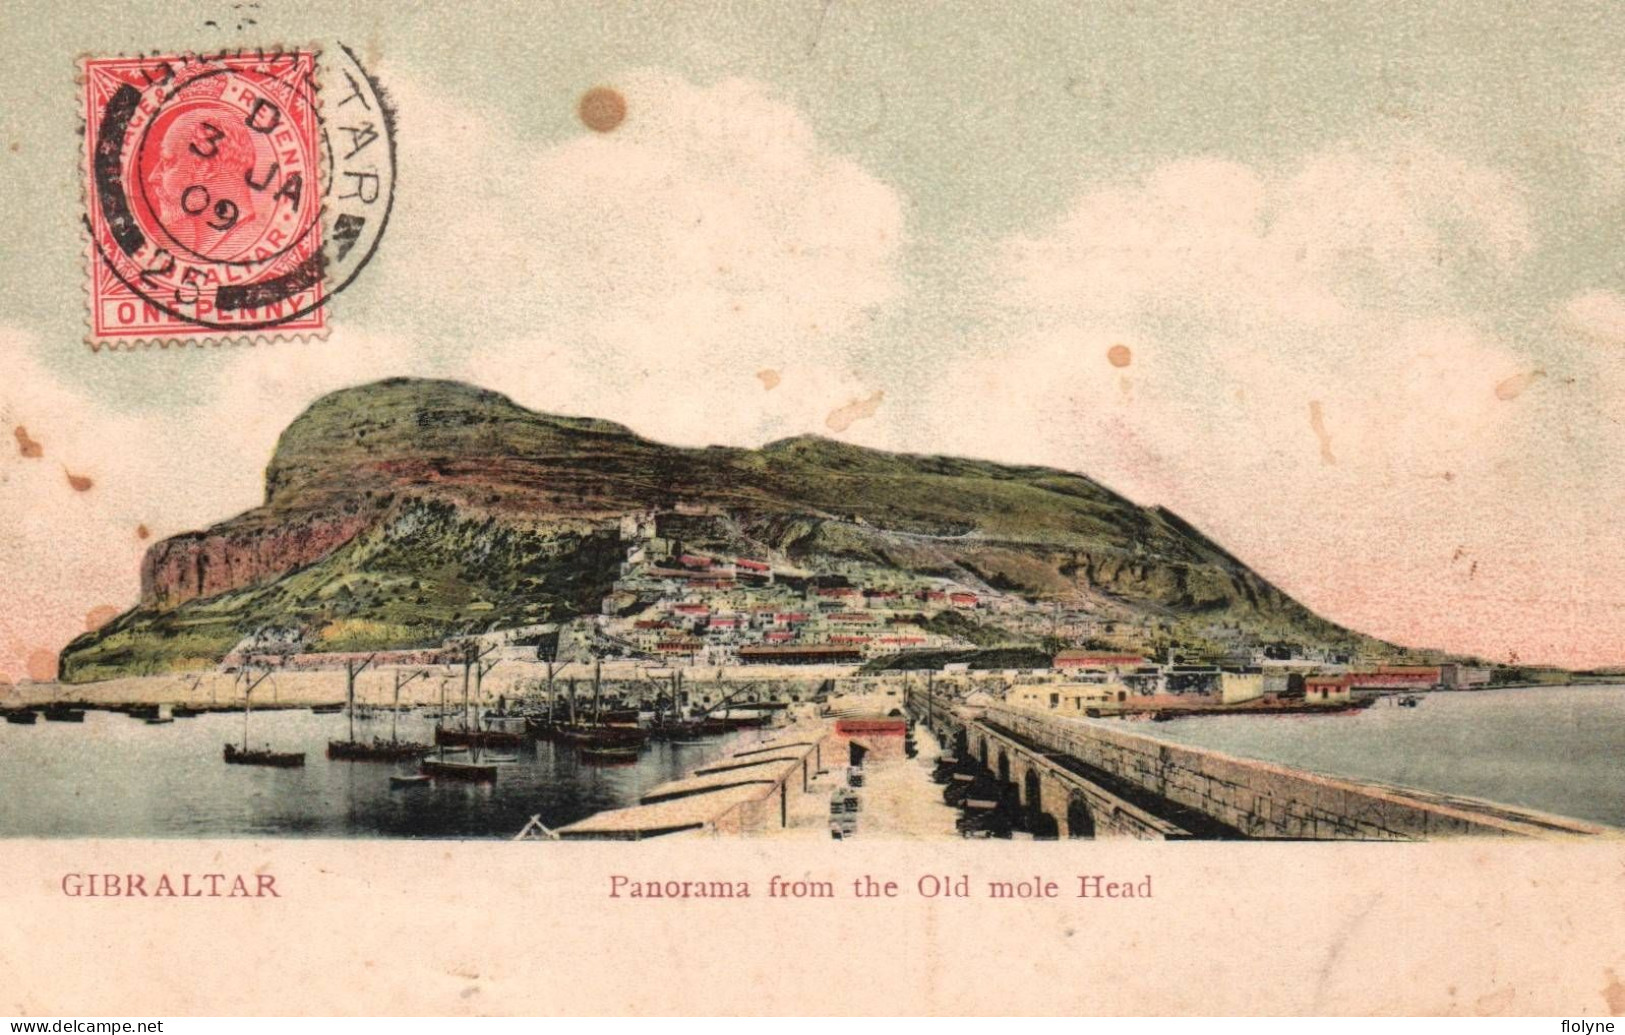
<point x="274" y="759"/>
<point x="409" y="780"/>
<point x="1409" y="701"/>
<point x="379" y="750"/>
<point x="610" y="755"/>
<point x="478" y="738"/>
<point x="181" y="711"/>
<point x="603" y="735"/>
<point x="64" y="713"/>
<point x="265" y="757"/>
<point x="502" y="759"/>
<point x="163" y="715"/>
<point x="326" y="709"/>
<point x="22" y="717"/>
<point x="467" y="772"/>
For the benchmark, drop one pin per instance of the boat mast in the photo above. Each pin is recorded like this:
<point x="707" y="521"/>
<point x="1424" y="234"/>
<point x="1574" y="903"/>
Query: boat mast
<point x="395" y="719"/>
<point x="248" y="696"/>
<point x="597" y="692"/>
<point x="480" y="670"/>
<point x="468" y="663"/>
<point x="440" y="720"/>
<point x="351" y="670"/>
<point x="572" y="686"/>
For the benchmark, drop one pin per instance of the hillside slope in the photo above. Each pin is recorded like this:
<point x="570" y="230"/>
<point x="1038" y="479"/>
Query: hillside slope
<point x="400" y="512"/>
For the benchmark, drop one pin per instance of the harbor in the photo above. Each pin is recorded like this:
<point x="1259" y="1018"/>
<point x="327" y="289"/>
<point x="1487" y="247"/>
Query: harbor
<point x="877" y="764"/>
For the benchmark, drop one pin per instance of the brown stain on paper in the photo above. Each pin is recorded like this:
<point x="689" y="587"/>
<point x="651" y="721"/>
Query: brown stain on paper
<point x="1517" y="384"/>
<point x="1317" y="422"/>
<point x="26" y="446"/>
<point x="1613" y="993"/>
<point x="42" y="665"/>
<point x="79" y="482"/>
<point x="602" y="109"/>
<point x="1119" y="356"/>
<point x="97" y="617"/>
<point x="142" y="532"/>
<point x="843" y="417"/>
<point x="770" y="378"/>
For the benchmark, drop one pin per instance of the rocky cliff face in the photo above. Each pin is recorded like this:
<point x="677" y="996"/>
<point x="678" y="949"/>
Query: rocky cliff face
<point x="206" y="564"/>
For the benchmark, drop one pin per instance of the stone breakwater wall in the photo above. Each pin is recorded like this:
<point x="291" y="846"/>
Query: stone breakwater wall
<point x="1264" y="800"/>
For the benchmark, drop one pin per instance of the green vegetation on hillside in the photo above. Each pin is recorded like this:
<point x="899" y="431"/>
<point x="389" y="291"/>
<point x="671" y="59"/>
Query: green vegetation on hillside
<point x="477" y="513"/>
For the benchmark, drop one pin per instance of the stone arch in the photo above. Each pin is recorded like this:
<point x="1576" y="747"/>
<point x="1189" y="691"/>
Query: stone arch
<point x="1004" y="766"/>
<point x="1039" y="823"/>
<point x="961" y="744"/>
<point x="1080" y="820"/>
<point x="983" y="752"/>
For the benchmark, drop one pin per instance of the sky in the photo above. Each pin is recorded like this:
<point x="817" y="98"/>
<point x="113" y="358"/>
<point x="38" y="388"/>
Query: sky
<point x="1340" y="285"/>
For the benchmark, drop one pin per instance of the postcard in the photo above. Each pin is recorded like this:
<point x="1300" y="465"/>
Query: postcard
<point x="1036" y="508"/>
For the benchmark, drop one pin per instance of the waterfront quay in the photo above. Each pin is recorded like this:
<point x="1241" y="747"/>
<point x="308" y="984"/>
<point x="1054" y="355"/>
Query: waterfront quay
<point x="1053" y="776"/>
<point x="900" y="755"/>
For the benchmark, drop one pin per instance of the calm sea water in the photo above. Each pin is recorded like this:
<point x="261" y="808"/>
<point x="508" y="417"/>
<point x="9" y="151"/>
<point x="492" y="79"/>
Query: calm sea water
<point x="115" y="776"/>
<point x="1558" y="750"/>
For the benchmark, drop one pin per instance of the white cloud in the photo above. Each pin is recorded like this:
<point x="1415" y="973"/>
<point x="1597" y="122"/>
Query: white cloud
<point x="1598" y="317"/>
<point x="1315" y="380"/>
<point x="647" y="274"/>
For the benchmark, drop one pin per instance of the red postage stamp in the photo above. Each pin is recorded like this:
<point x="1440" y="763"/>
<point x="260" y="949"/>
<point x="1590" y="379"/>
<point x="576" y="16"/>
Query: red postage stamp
<point x="209" y="197"/>
<point x="204" y="196"/>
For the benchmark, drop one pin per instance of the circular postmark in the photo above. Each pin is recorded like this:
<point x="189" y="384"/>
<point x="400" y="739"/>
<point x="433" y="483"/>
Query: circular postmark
<point x="233" y="192"/>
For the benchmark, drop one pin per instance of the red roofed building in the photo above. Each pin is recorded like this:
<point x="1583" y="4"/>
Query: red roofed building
<point x="690" y="560"/>
<point x="779" y="636"/>
<point x="962" y="599"/>
<point x="1072" y="659"/>
<point x="1326" y="690"/>
<point x="1397" y="677"/>
<point x="749" y="565"/>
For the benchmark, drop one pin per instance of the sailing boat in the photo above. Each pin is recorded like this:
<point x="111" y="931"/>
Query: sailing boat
<point x="546" y="727"/>
<point x="378" y="750"/>
<point x="267" y="757"/>
<point x="439" y="767"/>
<point x="471" y="735"/>
<point x="599" y="734"/>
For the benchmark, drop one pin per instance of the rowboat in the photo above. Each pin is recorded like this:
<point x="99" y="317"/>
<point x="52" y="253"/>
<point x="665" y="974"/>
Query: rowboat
<point x="274" y="759"/>
<point x="478" y="738"/>
<point x="468" y="772"/>
<point x="410" y="780"/>
<point x="610" y="755"/>
<point x="379" y="750"/>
